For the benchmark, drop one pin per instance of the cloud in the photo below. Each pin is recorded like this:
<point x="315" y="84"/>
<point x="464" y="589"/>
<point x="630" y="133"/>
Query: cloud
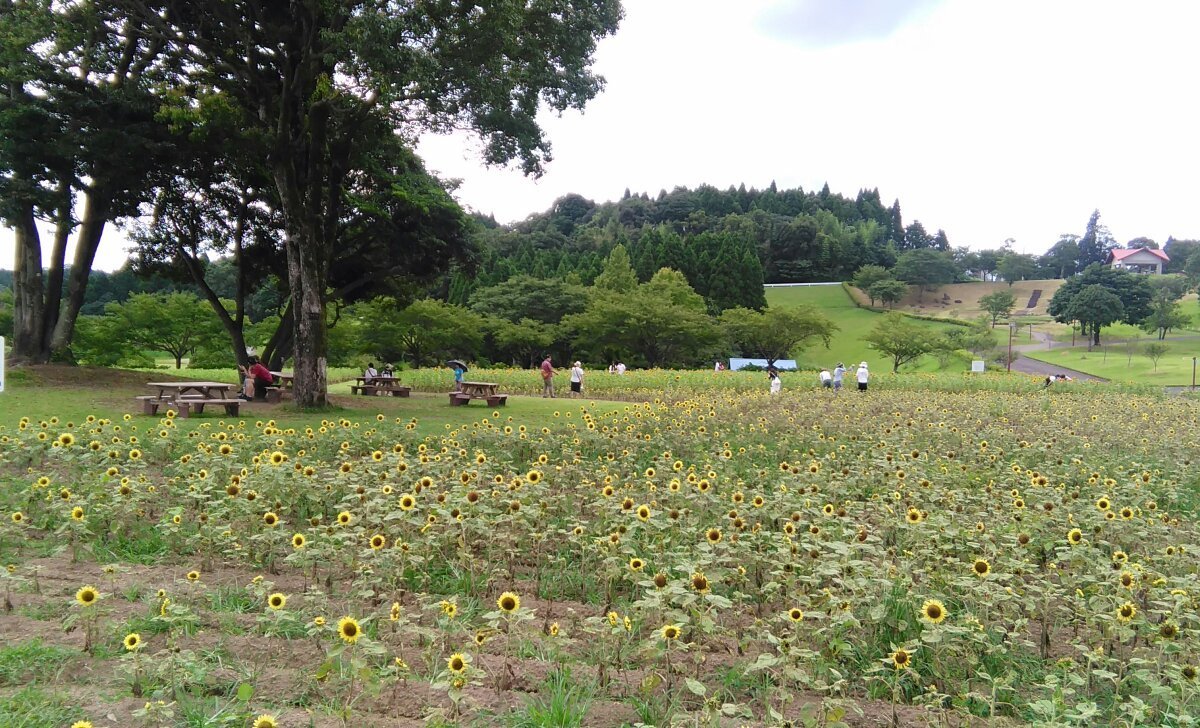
<point x="822" y="23"/>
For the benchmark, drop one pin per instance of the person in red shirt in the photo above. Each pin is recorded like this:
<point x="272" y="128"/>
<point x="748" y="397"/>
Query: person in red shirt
<point x="262" y="378"/>
<point x="548" y="378"/>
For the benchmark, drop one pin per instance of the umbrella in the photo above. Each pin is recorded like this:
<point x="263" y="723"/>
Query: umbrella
<point x="456" y="363"/>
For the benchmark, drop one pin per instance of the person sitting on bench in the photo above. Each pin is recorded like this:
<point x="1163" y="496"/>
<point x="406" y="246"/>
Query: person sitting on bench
<point x="261" y="376"/>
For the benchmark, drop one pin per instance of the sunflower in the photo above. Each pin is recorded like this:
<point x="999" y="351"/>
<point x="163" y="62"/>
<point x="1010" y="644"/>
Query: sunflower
<point x="828" y="509"/>
<point x="407" y="502"/>
<point x="981" y="567"/>
<point x="265" y="721"/>
<point x="553" y="629"/>
<point x="132" y="641"/>
<point x="87" y="596"/>
<point x="700" y="582"/>
<point x="933" y="611"/>
<point x="395" y="613"/>
<point x="1188" y="672"/>
<point x="534" y="476"/>
<point x="82" y="724"/>
<point x="1126" y="513"/>
<point x="344" y="518"/>
<point x="643" y="512"/>
<point x="713" y="535"/>
<point x="193" y="576"/>
<point x="77" y="513"/>
<point x="298" y="541"/>
<point x="914" y="516"/>
<point x="457" y="663"/>
<point x="901" y="659"/>
<point x="1127" y="580"/>
<point x="277" y="601"/>
<point x="17" y="517"/>
<point x="1075" y="537"/>
<point x="378" y="541"/>
<point x="449" y="608"/>
<point x="349" y="630"/>
<point x="1168" y="631"/>
<point x="509" y="602"/>
<point x="636" y="564"/>
<point x="1103" y="503"/>
<point x="670" y="632"/>
<point x="270" y="519"/>
<point x="1126" y="612"/>
<point x="796" y="614"/>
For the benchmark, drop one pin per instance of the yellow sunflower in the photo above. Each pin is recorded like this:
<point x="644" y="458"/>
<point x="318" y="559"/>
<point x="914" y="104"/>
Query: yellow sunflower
<point x="933" y="611"/>
<point x="349" y="630"/>
<point x="87" y="596"/>
<point x="509" y="602"/>
<point x="670" y="633"/>
<point x="277" y="601"/>
<point x="132" y="641"/>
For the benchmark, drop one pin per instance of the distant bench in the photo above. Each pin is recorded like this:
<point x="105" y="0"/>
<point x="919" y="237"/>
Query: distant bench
<point x="380" y="385"/>
<point x="478" y="390"/>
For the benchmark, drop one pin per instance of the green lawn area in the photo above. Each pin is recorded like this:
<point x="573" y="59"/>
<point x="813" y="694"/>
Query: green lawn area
<point x="71" y="394"/>
<point x="1113" y="361"/>
<point x="848" y="344"/>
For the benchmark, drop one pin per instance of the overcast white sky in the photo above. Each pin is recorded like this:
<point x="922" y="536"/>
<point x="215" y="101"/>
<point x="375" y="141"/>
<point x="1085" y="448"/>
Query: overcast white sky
<point x="988" y="119"/>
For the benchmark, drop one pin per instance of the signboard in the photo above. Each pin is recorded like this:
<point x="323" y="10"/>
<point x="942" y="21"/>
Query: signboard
<point x="978" y="366"/>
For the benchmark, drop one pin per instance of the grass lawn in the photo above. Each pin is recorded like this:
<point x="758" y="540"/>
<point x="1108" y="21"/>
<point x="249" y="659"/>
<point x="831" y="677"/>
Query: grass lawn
<point x="1113" y="361"/>
<point x="71" y="394"/>
<point x="848" y="344"/>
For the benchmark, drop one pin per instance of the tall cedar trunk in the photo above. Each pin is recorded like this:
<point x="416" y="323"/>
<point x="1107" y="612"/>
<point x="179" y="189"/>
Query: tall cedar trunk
<point x="279" y="348"/>
<point x="305" y="259"/>
<point x="95" y="215"/>
<point x="28" y="308"/>
<point x="56" y="268"/>
<point x="233" y="327"/>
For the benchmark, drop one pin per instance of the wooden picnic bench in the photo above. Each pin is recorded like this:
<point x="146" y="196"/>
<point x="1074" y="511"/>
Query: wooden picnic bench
<point x="188" y="397"/>
<point x="380" y="385"/>
<point x="478" y="390"/>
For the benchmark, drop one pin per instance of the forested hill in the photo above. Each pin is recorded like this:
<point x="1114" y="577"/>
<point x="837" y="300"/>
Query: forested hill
<point x="727" y="242"/>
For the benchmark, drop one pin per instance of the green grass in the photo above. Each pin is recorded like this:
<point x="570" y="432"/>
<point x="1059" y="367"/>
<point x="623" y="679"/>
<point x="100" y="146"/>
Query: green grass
<point x="72" y="394"/>
<point x="34" y="707"/>
<point x="32" y="661"/>
<point x="560" y="703"/>
<point x="848" y="345"/>
<point x="1112" y="361"/>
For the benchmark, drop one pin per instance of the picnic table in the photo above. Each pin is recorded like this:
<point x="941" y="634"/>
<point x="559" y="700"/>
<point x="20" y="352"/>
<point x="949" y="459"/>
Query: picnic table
<point x="380" y="385"/>
<point x="286" y="379"/>
<point x="478" y="390"/>
<point x="188" y="397"/>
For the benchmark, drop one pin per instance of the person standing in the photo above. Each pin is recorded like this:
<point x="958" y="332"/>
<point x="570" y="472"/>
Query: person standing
<point x="620" y="367"/>
<point x="826" y="379"/>
<point x="862" y="375"/>
<point x="547" y="378"/>
<point x="776" y="382"/>
<point x="458" y="377"/>
<point x="839" y="374"/>
<point x="576" y="379"/>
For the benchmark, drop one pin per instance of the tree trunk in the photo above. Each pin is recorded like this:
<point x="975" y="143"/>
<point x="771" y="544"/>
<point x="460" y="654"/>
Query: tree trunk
<point x="56" y="269"/>
<point x="307" y="282"/>
<point x="28" y="306"/>
<point x="95" y="216"/>
<point x="279" y="348"/>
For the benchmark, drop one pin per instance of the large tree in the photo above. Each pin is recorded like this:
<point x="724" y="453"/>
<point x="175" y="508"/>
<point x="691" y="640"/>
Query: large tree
<point x="1131" y="291"/>
<point x="1096" y="242"/>
<point x="925" y="268"/>
<point x="775" y="333"/>
<point x="79" y="130"/>
<point x="997" y="304"/>
<point x="1015" y="267"/>
<point x="899" y="338"/>
<point x="319" y="84"/>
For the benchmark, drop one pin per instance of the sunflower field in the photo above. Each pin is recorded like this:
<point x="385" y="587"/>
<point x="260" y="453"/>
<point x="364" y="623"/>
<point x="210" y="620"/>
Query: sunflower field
<point x="903" y="557"/>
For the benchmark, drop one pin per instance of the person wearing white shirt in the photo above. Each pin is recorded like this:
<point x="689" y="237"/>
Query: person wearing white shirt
<point x="370" y="373"/>
<point x="862" y="375"/>
<point x="839" y="373"/>
<point x="826" y="379"/>
<point x="576" y="379"/>
<point x="620" y="367"/>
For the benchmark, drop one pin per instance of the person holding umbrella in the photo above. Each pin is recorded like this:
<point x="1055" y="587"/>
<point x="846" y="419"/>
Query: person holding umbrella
<point x="459" y="369"/>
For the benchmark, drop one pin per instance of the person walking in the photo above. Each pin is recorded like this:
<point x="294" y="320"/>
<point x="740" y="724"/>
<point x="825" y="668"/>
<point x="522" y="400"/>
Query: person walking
<point x="862" y="375"/>
<point x="839" y="373"/>
<point x="576" y="380"/>
<point x="547" y="378"/>
<point x="776" y="382"/>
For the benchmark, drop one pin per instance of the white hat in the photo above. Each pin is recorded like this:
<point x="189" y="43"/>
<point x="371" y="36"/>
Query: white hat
<point x="863" y="365"/>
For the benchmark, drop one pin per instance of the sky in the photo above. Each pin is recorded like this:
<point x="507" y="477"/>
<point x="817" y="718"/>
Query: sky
<point x="991" y="120"/>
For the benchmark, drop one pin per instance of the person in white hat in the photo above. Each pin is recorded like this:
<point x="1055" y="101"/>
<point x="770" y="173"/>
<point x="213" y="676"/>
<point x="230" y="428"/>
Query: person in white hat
<point x="577" y="380"/>
<point x="862" y="375"/>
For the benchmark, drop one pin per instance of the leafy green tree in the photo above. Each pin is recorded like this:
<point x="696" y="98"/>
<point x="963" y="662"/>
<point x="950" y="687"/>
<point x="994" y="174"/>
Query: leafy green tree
<point x="1062" y="259"/>
<point x="1165" y="314"/>
<point x="1015" y="267"/>
<point x="1132" y="291"/>
<point x="618" y="274"/>
<point x="776" y="333"/>
<point x="663" y="322"/>
<point x="423" y="333"/>
<point x="998" y="304"/>
<point x="1095" y="243"/>
<point x="525" y="297"/>
<point x="867" y="276"/>
<point x="320" y="84"/>
<point x="1155" y="350"/>
<point x="897" y="337"/>
<point x="925" y="269"/>
<point x="523" y="341"/>
<point x="1178" y="251"/>
<point x="175" y="324"/>
<point x="1094" y="307"/>
<point x="979" y="338"/>
<point x="888" y="290"/>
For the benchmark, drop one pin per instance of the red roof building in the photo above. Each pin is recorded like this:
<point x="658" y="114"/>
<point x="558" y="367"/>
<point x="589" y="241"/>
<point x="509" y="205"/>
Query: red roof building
<point x="1138" y="260"/>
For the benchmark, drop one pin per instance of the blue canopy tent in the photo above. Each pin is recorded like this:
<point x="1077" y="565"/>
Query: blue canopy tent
<point x="783" y="365"/>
